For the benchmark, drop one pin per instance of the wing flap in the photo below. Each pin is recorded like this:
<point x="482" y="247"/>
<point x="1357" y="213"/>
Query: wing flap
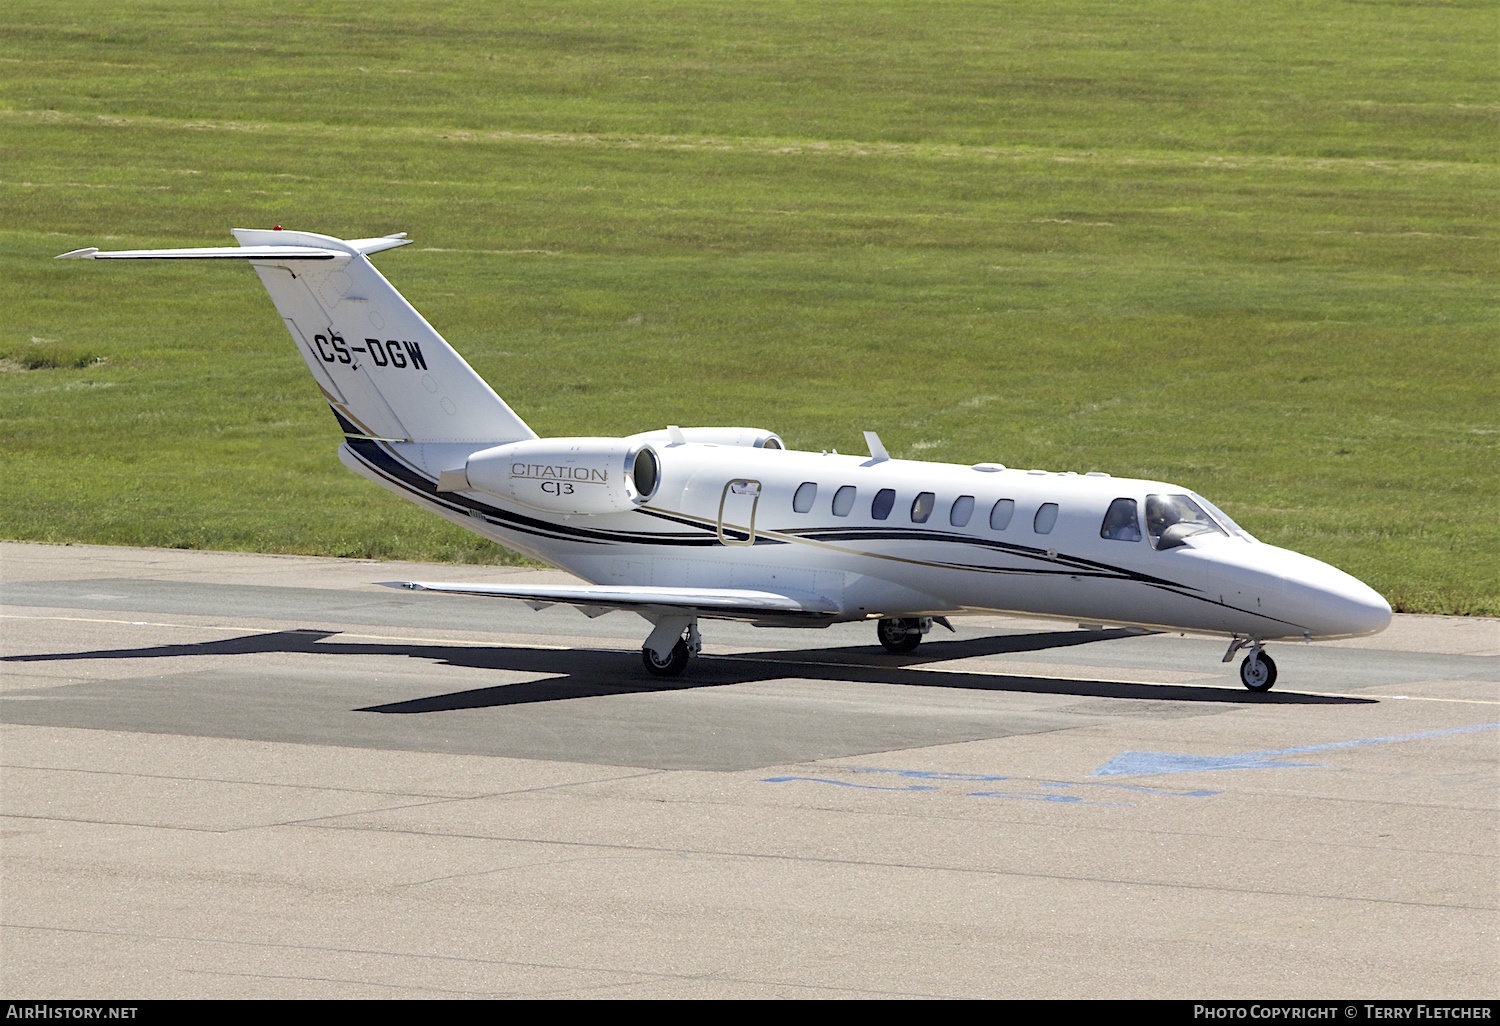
<point x="593" y="599"/>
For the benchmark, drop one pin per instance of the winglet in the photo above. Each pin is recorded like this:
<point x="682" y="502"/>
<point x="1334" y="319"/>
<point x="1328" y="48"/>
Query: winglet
<point x="877" y="449"/>
<point x="368" y="246"/>
<point x="78" y="254"/>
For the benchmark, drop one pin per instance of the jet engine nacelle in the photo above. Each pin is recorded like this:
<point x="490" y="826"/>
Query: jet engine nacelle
<point x="758" y="438"/>
<point x="562" y="475"/>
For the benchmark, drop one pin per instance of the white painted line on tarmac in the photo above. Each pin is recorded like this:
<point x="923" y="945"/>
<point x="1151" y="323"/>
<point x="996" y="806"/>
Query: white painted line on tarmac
<point x="468" y="642"/>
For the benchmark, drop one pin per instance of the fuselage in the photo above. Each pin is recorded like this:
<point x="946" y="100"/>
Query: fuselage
<point x="902" y="538"/>
<point x="727" y="523"/>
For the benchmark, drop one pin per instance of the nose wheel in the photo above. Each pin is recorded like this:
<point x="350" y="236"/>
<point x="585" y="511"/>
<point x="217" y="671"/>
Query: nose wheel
<point x="1258" y="671"/>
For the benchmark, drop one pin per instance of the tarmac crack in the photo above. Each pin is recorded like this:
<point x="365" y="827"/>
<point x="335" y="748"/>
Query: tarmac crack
<point x="360" y="983"/>
<point x="1095" y="827"/>
<point x="224" y="780"/>
<point x="920" y="867"/>
<point x="315" y="820"/>
<point x="462" y="959"/>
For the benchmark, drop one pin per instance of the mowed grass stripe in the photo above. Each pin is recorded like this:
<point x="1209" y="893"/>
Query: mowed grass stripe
<point x="781" y="145"/>
<point x="1273" y="76"/>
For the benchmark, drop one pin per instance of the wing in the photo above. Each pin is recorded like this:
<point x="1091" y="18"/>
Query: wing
<point x="596" y="600"/>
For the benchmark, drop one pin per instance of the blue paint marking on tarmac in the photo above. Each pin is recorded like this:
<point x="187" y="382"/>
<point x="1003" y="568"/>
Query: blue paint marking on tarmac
<point x="1032" y="796"/>
<point x="1158" y="790"/>
<point x="845" y="783"/>
<point x="1132" y="787"/>
<point x="1029" y="796"/>
<point x="1144" y="763"/>
<point x="925" y="774"/>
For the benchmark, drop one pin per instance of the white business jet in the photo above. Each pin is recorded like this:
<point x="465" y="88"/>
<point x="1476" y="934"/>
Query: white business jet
<point x="683" y="524"/>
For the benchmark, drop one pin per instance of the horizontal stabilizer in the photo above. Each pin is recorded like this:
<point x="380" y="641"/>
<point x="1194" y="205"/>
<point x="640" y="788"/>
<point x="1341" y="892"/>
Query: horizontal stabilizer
<point x="719" y="603"/>
<point x="267" y="245"/>
<point x="208" y="253"/>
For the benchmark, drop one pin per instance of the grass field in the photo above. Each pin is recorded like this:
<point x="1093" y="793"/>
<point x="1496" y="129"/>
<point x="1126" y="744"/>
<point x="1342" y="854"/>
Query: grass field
<point x="1247" y="247"/>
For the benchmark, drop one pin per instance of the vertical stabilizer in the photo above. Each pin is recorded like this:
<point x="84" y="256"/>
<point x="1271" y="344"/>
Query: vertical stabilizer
<point x="384" y="368"/>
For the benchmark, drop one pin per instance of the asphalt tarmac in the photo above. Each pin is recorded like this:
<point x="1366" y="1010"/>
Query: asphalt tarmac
<point x="227" y="775"/>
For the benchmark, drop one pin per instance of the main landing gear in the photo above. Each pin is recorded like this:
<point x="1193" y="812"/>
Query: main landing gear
<point x="902" y="636"/>
<point x="1258" y="670"/>
<point x="675" y="662"/>
<point x="665" y="657"/>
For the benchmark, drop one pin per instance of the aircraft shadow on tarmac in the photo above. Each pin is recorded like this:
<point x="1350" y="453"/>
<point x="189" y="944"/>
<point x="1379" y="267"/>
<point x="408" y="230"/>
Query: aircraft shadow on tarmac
<point x="595" y="673"/>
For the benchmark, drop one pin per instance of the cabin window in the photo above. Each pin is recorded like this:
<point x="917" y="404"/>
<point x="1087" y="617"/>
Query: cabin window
<point x="921" y="507"/>
<point x="1121" y="522"/>
<point x="885" y="501"/>
<point x="963" y="509"/>
<point x="1045" y="519"/>
<point x="843" y="501"/>
<point x="1172" y="519"/>
<point x="807" y="492"/>
<point x="1001" y="514"/>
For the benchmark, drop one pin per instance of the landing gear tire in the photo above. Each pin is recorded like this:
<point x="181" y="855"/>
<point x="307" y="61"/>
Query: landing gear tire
<point x="674" y="664"/>
<point x="1258" y="672"/>
<point x="899" y="636"/>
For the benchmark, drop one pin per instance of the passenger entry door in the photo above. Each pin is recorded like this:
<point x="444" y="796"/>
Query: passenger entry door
<point x="737" y="511"/>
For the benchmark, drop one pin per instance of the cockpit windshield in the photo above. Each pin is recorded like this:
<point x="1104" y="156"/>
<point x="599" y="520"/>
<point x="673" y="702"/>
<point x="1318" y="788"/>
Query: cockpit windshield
<point x="1222" y="517"/>
<point x="1172" y="519"/>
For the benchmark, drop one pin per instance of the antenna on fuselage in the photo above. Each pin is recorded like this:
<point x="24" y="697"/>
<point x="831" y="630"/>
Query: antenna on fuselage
<point x="877" y="448"/>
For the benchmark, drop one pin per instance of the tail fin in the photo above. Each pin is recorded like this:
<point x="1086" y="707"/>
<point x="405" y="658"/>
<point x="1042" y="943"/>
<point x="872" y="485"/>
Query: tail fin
<point x="387" y="373"/>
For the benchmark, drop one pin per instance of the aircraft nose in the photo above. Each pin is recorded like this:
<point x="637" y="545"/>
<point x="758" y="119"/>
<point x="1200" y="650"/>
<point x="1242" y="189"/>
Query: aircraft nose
<point x="1339" y="605"/>
<point x="1359" y="609"/>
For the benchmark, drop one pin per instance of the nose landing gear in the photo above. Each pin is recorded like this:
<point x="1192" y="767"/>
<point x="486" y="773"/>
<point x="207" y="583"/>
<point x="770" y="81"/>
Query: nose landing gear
<point x="1258" y="671"/>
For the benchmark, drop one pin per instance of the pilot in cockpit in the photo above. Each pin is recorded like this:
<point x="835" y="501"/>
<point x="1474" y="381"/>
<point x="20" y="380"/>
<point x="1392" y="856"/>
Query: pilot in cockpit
<point x="1160" y="515"/>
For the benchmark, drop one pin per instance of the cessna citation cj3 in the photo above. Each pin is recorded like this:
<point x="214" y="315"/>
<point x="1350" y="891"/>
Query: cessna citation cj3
<point x="684" y="524"/>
